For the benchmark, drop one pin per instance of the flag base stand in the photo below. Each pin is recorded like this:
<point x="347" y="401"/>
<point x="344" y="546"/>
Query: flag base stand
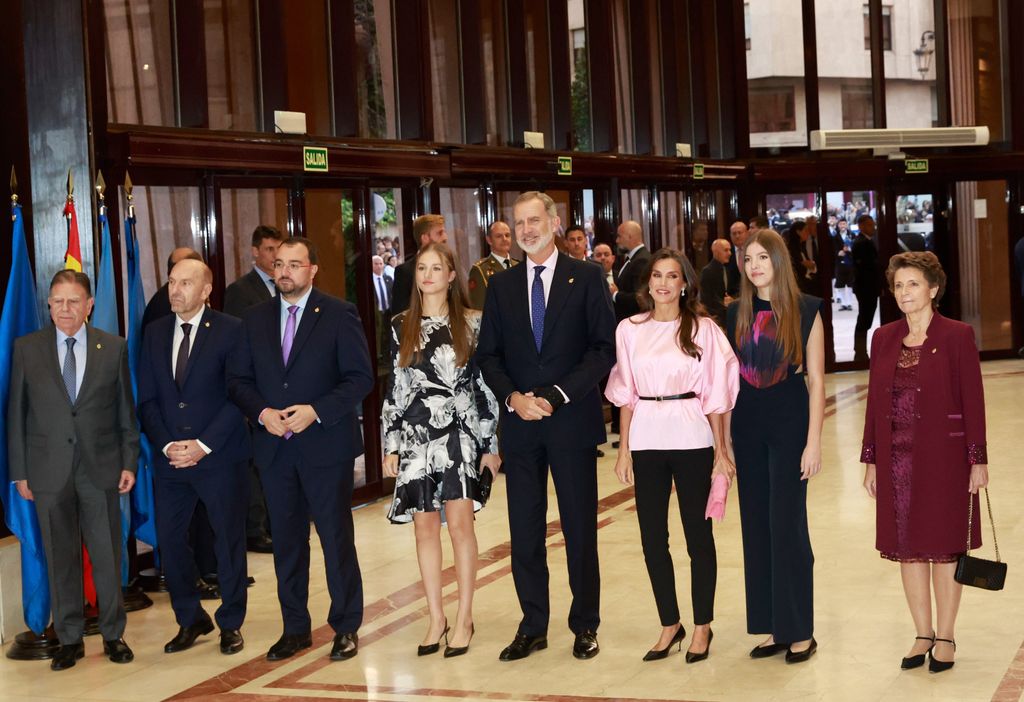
<point x="152" y="580"/>
<point x="30" y="646"/>
<point x="134" y="598"/>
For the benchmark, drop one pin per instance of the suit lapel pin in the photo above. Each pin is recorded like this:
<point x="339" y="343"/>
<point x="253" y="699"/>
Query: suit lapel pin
<point x="934" y="350"/>
<point x="99" y="346"/>
<point x="570" y="280"/>
<point x="317" y="310"/>
<point x="207" y="325"/>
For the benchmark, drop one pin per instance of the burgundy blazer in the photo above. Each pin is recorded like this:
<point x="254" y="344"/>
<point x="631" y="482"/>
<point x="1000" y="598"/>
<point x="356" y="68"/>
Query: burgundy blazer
<point x="949" y="436"/>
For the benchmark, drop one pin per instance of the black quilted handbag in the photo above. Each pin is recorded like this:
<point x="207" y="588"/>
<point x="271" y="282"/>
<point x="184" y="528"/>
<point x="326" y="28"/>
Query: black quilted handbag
<point x="979" y="572"/>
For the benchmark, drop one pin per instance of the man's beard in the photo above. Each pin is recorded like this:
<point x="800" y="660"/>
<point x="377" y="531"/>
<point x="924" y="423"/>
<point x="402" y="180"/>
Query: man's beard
<point x="541" y="243"/>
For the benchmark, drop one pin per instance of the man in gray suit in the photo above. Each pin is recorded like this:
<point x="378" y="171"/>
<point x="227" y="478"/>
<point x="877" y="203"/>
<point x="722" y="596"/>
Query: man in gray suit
<point x="73" y="447"/>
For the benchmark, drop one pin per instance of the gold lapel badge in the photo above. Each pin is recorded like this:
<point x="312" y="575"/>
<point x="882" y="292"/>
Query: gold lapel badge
<point x="99" y="346"/>
<point x="934" y="350"/>
<point x="317" y="310"/>
<point x="207" y="325"/>
<point x="570" y="280"/>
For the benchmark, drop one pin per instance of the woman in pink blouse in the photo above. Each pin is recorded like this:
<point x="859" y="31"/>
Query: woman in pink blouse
<point x="674" y="378"/>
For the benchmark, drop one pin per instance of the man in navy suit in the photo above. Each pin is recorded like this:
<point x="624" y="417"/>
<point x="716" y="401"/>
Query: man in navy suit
<point x="203" y="454"/>
<point x="301" y="374"/>
<point x="546" y="341"/>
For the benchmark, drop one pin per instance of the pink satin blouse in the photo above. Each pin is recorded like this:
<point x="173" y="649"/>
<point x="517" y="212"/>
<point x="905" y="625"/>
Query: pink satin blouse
<point x="649" y="362"/>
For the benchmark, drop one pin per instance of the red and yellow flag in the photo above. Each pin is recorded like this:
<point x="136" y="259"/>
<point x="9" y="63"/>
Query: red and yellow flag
<point x="73" y="256"/>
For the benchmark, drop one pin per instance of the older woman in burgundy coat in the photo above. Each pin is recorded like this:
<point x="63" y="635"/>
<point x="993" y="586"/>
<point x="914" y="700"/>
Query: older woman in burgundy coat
<point x="924" y="446"/>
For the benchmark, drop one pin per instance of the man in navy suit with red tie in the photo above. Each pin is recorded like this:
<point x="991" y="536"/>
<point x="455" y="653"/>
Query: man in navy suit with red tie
<point x="301" y="374"/>
<point x="202" y="451"/>
<point x="546" y="341"/>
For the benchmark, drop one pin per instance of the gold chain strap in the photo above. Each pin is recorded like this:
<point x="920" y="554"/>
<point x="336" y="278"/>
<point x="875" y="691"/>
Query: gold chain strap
<point x="970" y="519"/>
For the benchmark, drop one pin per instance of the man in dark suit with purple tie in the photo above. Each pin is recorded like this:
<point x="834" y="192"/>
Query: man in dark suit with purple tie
<point x="202" y="451"/>
<point x="546" y="341"/>
<point x="300" y="376"/>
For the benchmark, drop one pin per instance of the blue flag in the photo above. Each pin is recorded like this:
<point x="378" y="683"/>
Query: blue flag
<point x="143" y="515"/>
<point x="104" y="308"/>
<point x="20" y="317"/>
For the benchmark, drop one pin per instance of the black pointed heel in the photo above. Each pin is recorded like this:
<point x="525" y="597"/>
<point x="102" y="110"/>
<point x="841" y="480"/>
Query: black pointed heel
<point x="656" y="654"/>
<point x="452" y="651"/>
<point x="937" y="666"/>
<point x="692" y="657"/>
<point x="434" y="647"/>
<point x="911" y="662"/>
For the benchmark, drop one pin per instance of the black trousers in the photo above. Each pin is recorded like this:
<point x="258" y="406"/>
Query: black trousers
<point x="769" y="433"/>
<point x="221" y="493"/>
<point x="867" y="303"/>
<point x="574" y="472"/>
<point x="653" y="475"/>
<point x="296" y="491"/>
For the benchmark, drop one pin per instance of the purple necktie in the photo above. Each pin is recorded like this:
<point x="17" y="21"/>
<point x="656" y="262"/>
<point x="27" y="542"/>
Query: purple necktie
<point x="286" y="343"/>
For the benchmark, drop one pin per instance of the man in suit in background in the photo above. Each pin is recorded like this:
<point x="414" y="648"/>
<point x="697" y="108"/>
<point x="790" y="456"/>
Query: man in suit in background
<point x="204" y="451"/>
<point x="255" y="287"/>
<point x="716" y="291"/>
<point x="499" y="239"/>
<point x="802" y="240"/>
<point x="426" y="229"/>
<point x="160" y="305"/>
<point x="383" y="290"/>
<point x="73" y="448"/>
<point x="738" y="234"/>
<point x="630" y="239"/>
<point x="300" y="376"/>
<point x="576" y="243"/>
<point x="603" y="254"/>
<point x="867" y="284"/>
<point x="547" y="339"/>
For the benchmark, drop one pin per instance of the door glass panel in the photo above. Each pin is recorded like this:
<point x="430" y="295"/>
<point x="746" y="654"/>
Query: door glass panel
<point x="241" y="211"/>
<point x="461" y="210"/>
<point x="672" y="205"/>
<point x="908" y="43"/>
<point x="843" y="209"/>
<point x="844" y="65"/>
<point x="775" y="74"/>
<point x="165" y="218"/>
<point x="636" y="205"/>
<point x="983" y="225"/>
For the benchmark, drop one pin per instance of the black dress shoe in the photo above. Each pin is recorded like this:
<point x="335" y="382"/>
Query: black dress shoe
<point x="656" y="654"/>
<point x="117" y="651"/>
<point x="768" y="650"/>
<point x="187" y="635"/>
<point x="522" y="646"/>
<point x="208" y="590"/>
<point x="600" y="453"/>
<point x="911" y="662"/>
<point x="66" y="656"/>
<point x="585" y="645"/>
<point x="259" y="544"/>
<point x="692" y="657"/>
<point x="231" y="641"/>
<point x="801" y="656"/>
<point x="345" y="646"/>
<point x="288" y="645"/>
<point x="937" y="666"/>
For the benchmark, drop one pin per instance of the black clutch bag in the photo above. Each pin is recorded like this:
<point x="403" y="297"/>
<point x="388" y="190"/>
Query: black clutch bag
<point x="979" y="572"/>
<point x="486" y="481"/>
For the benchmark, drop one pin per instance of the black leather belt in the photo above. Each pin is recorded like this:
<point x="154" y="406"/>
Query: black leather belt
<point x="659" y="398"/>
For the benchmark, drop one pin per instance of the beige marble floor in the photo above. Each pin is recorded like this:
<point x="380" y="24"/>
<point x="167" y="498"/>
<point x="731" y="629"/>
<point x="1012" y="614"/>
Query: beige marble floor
<point x="862" y="624"/>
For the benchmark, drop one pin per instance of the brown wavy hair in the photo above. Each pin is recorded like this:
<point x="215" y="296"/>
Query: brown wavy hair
<point x="924" y="261"/>
<point x="690" y="308"/>
<point x="784" y="296"/>
<point x="409" y="351"/>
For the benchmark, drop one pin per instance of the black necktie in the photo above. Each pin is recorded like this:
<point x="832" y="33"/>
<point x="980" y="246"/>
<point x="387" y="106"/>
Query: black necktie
<point x="182" y="361"/>
<point x="507" y="263"/>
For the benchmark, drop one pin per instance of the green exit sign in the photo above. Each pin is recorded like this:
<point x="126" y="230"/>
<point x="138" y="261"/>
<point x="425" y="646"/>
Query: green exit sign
<point x="565" y="165"/>
<point x="698" y="171"/>
<point x="314" y="158"/>
<point x="916" y="165"/>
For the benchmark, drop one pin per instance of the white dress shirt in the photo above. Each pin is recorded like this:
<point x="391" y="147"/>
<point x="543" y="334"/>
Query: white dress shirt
<point x="267" y="279"/>
<point x="179" y="336"/>
<point x="501" y="260"/>
<point x="547" y="276"/>
<point x="298" y="313"/>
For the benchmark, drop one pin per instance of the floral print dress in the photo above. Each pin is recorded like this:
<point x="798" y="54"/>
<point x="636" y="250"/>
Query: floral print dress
<point x="440" y="419"/>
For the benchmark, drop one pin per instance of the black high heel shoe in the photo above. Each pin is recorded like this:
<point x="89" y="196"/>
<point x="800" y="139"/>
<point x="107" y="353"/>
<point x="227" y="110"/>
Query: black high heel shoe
<point x="452" y="651"/>
<point x="937" y="666"/>
<point x="692" y="657"/>
<point x="656" y="654"/>
<point x="911" y="662"/>
<point x="434" y="647"/>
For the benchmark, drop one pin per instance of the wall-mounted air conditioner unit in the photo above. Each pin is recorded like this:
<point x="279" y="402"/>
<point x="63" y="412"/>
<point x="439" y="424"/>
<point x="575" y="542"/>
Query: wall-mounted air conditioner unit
<point x="897" y="139"/>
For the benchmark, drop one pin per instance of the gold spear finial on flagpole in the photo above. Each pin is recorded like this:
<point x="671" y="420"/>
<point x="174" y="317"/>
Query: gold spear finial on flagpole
<point x="14" y="187"/>
<point x="128" y="194"/>
<point x="101" y="187"/>
<point x="71" y="185"/>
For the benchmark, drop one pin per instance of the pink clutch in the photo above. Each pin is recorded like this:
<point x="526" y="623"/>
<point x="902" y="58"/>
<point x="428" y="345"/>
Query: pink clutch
<point x="717" y="497"/>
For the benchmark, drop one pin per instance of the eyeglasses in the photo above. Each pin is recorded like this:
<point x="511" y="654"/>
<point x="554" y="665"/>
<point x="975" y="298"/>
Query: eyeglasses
<point x="291" y="266"/>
